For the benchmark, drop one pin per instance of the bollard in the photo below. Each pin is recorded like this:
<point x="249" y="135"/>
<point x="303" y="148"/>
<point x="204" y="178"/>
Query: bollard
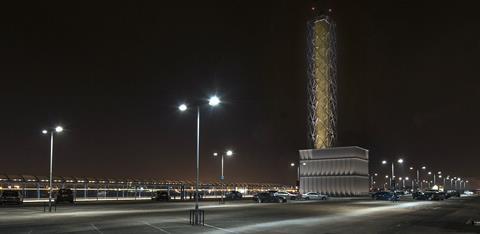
<point x="197" y="217"/>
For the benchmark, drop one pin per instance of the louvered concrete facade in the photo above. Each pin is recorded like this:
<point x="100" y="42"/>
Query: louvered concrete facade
<point x="341" y="171"/>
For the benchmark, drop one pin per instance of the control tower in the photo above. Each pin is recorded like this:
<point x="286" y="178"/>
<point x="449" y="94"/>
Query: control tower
<point x="324" y="167"/>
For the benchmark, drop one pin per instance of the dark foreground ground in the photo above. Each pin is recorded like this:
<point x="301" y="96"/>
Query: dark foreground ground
<point x="333" y="216"/>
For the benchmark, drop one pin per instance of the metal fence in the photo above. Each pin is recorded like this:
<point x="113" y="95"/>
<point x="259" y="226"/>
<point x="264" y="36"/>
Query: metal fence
<point x="35" y="188"/>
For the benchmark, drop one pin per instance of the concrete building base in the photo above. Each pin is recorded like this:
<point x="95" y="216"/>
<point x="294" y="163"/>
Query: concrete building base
<point x="339" y="171"/>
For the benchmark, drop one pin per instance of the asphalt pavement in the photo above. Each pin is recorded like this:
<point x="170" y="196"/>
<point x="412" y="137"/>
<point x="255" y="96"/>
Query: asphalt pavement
<point x="331" y="216"/>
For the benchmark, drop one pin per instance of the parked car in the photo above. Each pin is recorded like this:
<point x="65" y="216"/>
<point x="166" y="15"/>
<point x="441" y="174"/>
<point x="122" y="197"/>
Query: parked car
<point x="452" y="193"/>
<point x="468" y="193"/>
<point x="295" y="196"/>
<point x="161" y="196"/>
<point x="64" y="195"/>
<point x="431" y="195"/>
<point x="268" y="197"/>
<point x="385" y="196"/>
<point x="233" y="195"/>
<point x="314" y="196"/>
<point x="286" y="195"/>
<point x="11" y="196"/>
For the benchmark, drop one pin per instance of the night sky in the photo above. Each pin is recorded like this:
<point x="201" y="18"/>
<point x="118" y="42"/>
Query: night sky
<point x="114" y="73"/>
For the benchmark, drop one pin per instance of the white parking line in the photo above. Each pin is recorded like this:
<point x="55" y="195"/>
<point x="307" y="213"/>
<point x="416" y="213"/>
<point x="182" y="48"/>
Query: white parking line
<point x="155" y="227"/>
<point x="95" y="228"/>
<point x="219" y="228"/>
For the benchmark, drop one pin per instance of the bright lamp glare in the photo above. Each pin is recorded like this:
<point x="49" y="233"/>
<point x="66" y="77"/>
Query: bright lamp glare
<point x="304" y="164"/>
<point x="292" y="164"/>
<point x="215" y="154"/>
<point x="424" y="167"/>
<point x="384" y="162"/>
<point x="182" y="107"/>
<point x="44" y="131"/>
<point x="59" y="129"/>
<point x="400" y="161"/>
<point x="229" y="153"/>
<point x="213" y="101"/>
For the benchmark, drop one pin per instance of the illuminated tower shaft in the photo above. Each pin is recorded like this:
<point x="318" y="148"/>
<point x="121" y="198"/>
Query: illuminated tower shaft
<point x="321" y="82"/>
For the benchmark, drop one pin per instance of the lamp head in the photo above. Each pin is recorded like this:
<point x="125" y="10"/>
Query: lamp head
<point x="182" y="107"/>
<point x="229" y="153"/>
<point x="213" y="101"/>
<point x="59" y="129"/>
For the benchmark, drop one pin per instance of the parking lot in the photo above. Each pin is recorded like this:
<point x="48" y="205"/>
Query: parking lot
<point x="331" y="216"/>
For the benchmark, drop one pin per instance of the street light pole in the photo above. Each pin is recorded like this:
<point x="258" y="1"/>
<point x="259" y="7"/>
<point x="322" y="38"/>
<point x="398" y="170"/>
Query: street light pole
<point x="393" y="171"/>
<point x="418" y="178"/>
<point x="400" y="161"/>
<point x="197" y="167"/>
<point x="51" y="174"/>
<point x="223" y="182"/>
<point x="57" y="129"/>
<point x="213" y="101"/>
<point x="222" y="178"/>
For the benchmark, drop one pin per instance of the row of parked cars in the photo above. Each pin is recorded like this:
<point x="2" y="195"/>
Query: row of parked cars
<point x="15" y="196"/>
<point x="430" y="195"/>
<point x="435" y="195"/>
<point x="282" y="197"/>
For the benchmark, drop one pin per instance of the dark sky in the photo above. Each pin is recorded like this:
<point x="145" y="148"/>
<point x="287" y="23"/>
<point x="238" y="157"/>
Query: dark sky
<point x="113" y="74"/>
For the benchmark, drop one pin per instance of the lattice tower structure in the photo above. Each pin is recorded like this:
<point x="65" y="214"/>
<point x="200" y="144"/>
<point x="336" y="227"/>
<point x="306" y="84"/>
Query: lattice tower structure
<point x="322" y="88"/>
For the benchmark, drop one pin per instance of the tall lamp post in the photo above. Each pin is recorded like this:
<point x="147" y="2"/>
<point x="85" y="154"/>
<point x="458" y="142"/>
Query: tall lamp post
<point x="372" y="181"/>
<point x="213" y="101"/>
<point x="298" y="174"/>
<point x="52" y="131"/>
<point x="228" y="153"/>
<point x="430" y="173"/>
<point x="399" y="161"/>
<point x="418" y="176"/>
